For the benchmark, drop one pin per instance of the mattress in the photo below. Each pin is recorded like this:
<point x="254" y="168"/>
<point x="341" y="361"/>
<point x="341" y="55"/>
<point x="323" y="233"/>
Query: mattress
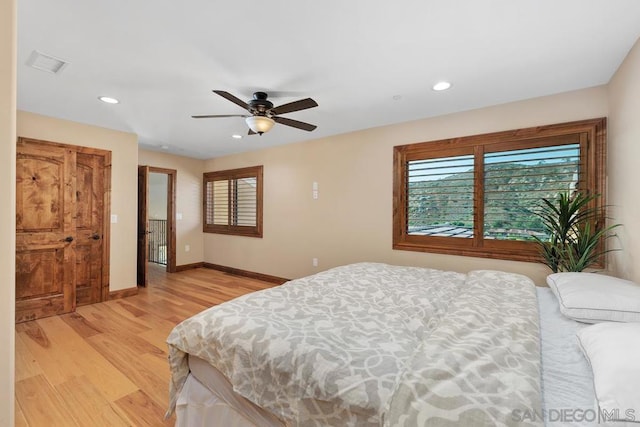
<point x="197" y="406"/>
<point x="228" y="406"/>
<point x="567" y="380"/>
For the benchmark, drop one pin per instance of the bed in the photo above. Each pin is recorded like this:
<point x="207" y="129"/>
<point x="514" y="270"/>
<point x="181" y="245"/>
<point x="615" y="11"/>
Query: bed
<point x="366" y="344"/>
<point x="372" y="344"/>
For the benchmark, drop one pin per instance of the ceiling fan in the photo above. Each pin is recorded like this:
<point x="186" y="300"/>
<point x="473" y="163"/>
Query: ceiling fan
<point x="263" y="114"/>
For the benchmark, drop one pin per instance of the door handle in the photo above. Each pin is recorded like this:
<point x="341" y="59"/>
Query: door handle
<point x="68" y="239"/>
<point x="95" y="236"/>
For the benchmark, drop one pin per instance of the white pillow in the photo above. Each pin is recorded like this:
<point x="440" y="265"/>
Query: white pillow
<point x="613" y="350"/>
<point x="593" y="298"/>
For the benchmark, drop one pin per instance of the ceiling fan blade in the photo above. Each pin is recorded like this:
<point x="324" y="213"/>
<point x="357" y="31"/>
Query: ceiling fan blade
<point x="251" y="132"/>
<point x="212" y="116"/>
<point x="294" y="123"/>
<point x="302" y="104"/>
<point x="232" y="98"/>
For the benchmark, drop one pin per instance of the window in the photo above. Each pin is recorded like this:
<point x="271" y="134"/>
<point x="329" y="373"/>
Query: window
<point x="233" y="201"/>
<point x="475" y="195"/>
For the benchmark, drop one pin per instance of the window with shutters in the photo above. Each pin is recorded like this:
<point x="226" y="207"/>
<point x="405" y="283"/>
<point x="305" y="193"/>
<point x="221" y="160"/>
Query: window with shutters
<point x="233" y="201"/>
<point x="476" y="195"/>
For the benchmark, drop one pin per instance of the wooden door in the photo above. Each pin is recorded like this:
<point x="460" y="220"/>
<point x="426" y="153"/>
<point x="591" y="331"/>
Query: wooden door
<point x="45" y="231"/>
<point x="62" y="252"/>
<point x="143" y="221"/>
<point x="89" y="227"/>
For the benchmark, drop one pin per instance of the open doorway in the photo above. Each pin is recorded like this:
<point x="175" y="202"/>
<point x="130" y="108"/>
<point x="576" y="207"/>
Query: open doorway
<point x="157" y="232"/>
<point x="156" y="221"/>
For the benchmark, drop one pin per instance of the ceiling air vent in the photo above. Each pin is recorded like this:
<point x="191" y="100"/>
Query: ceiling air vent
<point x="42" y="61"/>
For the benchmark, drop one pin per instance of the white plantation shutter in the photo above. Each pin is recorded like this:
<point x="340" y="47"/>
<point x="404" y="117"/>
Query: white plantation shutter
<point x="244" y="201"/>
<point x="220" y="202"/>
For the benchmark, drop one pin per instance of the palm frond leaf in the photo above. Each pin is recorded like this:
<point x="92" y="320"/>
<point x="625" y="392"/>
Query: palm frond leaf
<point x="575" y="229"/>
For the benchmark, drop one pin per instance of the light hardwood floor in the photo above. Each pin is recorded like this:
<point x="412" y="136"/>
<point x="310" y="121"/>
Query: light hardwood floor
<point x="106" y="364"/>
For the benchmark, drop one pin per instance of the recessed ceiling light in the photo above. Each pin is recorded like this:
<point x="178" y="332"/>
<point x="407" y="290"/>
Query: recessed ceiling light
<point x="236" y="136"/>
<point x="108" y="100"/>
<point x="441" y="86"/>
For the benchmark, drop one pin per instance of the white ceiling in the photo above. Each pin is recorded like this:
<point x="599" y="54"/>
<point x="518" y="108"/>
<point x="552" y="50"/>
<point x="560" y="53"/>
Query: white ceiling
<point x="162" y="58"/>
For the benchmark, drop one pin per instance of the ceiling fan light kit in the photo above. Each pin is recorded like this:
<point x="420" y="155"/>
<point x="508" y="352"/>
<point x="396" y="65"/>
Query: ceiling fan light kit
<point x="260" y="124"/>
<point x="263" y="114"/>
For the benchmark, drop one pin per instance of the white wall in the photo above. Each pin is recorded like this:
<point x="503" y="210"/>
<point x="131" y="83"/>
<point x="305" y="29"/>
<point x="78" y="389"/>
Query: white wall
<point x="624" y="163"/>
<point x="124" y="175"/>
<point x="352" y="219"/>
<point x="7" y="208"/>
<point x="158" y="186"/>
<point x="188" y="201"/>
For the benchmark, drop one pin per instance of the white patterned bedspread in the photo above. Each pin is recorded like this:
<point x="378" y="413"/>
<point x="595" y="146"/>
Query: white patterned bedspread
<point x="350" y="346"/>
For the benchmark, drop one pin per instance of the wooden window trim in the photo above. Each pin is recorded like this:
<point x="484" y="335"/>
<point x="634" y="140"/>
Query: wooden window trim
<point x="238" y="230"/>
<point x="592" y="152"/>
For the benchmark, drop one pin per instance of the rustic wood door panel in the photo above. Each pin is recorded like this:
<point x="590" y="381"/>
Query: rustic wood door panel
<point x="45" y="230"/>
<point x="89" y="226"/>
<point x="42" y="290"/>
<point x="40" y="273"/>
<point x="62" y="199"/>
<point x="40" y="194"/>
<point x="143" y="225"/>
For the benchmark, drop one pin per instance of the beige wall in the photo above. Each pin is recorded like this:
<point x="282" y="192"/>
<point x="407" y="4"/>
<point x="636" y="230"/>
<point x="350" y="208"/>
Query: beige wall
<point x="124" y="175"/>
<point x="624" y="163"/>
<point x="157" y="198"/>
<point x="351" y="220"/>
<point x="7" y="207"/>
<point x="188" y="201"/>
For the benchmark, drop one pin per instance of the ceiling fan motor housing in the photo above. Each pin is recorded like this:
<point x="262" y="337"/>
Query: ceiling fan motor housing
<point x="259" y="104"/>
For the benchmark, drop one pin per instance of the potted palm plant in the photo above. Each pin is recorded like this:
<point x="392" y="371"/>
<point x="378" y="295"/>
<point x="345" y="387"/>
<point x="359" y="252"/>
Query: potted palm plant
<point x="575" y="230"/>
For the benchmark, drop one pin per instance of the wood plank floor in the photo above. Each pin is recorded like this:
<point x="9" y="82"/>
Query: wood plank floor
<point x="106" y="364"/>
